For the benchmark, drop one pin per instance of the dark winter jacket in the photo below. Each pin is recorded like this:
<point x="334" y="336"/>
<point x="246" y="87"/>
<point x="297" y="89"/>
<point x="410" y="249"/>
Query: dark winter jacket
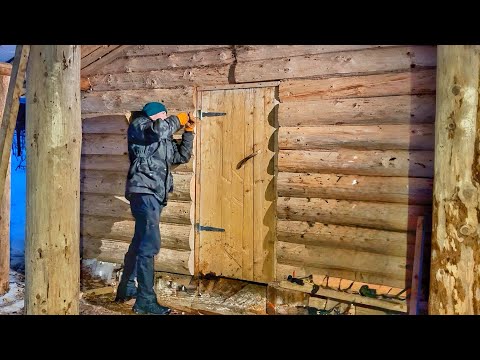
<point x="152" y="150"/>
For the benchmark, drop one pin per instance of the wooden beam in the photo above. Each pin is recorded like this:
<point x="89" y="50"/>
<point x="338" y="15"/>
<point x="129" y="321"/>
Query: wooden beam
<point x="372" y="137"/>
<point x="374" y="215"/>
<point x="354" y="261"/>
<point x="4" y="208"/>
<point x="455" y="260"/>
<point x="148" y="50"/>
<point x="331" y="64"/>
<point x="399" y="306"/>
<point x="380" y="110"/>
<point x="113" y="182"/>
<point x="102" y="57"/>
<point x="375" y="241"/>
<point x="133" y="100"/>
<point x="406" y="190"/>
<point x="417" y="267"/>
<point x="174" y="236"/>
<point x="10" y="112"/>
<point x="5" y="69"/>
<point x="178" y="60"/>
<point x="356" y="162"/>
<point x="96" y="54"/>
<point x="259" y="52"/>
<point x="166" y="78"/>
<point x="54" y="137"/>
<point x="119" y="163"/>
<point x="169" y="260"/>
<point x="361" y="86"/>
<point x="88" y="49"/>
<point x="177" y="212"/>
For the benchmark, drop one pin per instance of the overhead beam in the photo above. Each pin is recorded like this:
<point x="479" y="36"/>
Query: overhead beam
<point x="10" y="112"/>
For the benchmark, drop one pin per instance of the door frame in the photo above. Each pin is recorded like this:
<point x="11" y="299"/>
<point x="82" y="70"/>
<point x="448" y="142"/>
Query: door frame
<point x="195" y="187"/>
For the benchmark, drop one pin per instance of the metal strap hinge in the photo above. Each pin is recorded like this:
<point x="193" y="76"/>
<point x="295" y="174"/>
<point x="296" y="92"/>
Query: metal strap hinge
<point x="210" y="114"/>
<point x="208" y="228"/>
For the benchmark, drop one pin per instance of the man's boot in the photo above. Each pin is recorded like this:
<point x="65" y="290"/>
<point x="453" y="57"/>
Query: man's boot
<point x="127" y="289"/>
<point x="146" y="302"/>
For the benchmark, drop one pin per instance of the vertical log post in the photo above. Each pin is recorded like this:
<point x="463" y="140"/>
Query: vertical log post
<point x="54" y="136"/>
<point x="5" y="202"/>
<point x="455" y="258"/>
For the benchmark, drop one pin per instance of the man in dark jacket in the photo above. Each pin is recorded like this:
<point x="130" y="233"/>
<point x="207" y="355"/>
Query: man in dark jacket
<point x="152" y="151"/>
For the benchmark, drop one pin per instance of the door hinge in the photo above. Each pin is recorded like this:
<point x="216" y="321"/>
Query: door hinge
<point x="202" y="114"/>
<point x="208" y="228"/>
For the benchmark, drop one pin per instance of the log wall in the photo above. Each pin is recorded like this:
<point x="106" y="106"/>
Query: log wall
<point x="355" y="163"/>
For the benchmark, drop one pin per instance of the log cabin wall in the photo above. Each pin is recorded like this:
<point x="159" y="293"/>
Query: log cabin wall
<point x="138" y="75"/>
<point x="355" y="163"/>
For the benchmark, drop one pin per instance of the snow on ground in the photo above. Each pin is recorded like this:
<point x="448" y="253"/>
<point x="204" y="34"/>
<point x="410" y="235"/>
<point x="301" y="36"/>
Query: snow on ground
<point x="12" y="302"/>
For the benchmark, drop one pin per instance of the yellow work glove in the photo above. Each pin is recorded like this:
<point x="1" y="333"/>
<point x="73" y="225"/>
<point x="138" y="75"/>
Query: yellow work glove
<point x="190" y="126"/>
<point x="183" y="117"/>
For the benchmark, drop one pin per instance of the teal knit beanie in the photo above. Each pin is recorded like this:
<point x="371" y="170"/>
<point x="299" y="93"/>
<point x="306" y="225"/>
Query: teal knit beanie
<point x="153" y="108"/>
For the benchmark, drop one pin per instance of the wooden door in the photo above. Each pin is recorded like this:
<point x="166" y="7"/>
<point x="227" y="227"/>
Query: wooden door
<point x="236" y="202"/>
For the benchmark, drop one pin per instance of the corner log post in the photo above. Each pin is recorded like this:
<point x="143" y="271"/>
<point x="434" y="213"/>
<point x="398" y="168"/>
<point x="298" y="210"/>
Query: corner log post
<point x="455" y="257"/>
<point x="5" y="202"/>
<point x="54" y="138"/>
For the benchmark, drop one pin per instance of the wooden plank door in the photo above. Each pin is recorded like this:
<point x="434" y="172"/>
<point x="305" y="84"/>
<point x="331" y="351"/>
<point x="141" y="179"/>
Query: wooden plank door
<point x="236" y="211"/>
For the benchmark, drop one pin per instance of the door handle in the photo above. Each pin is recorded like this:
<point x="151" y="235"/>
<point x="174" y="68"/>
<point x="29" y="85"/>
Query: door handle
<point x="244" y="160"/>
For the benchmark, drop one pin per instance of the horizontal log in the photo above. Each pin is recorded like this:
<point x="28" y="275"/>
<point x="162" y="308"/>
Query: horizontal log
<point x="383" y="216"/>
<point x="115" y="124"/>
<point x="346" y="237"/>
<point x="120" y="163"/>
<point x="168" y="260"/>
<point x="176" y="212"/>
<point x="374" y="137"/>
<point x="173" y="236"/>
<point x="105" y="124"/>
<point x="388" y="84"/>
<point x="345" y="62"/>
<point x="105" y="144"/>
<point x="391" y="305"/>
<point x="110" y="144"/>
<point x="283" y="270"/>
<point x="111" y="113"/>
<point x="113" y="183"/>
<point x="388" y="110"/>
<point x="143" y="50"/>
<point x="405" y="190"/>
<point x="343" y="259"/>
<point x="134" y="100"/>
<point x="346" y="161"/>
<point x="259" y="52"/>
<point x="161" y="79"/>
<point x="197" y="58"/>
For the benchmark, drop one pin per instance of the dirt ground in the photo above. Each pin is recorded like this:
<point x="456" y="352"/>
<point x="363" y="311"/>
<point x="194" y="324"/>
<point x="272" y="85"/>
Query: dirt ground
<point x="12" y="303"/>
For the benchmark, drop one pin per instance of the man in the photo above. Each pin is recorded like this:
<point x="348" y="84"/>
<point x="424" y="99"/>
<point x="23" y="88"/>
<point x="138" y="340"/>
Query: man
<point x="152" y="151"/>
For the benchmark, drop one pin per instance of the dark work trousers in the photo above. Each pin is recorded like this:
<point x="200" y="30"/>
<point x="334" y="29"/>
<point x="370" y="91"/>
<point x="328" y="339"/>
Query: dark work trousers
<point x="139" y="259"/>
